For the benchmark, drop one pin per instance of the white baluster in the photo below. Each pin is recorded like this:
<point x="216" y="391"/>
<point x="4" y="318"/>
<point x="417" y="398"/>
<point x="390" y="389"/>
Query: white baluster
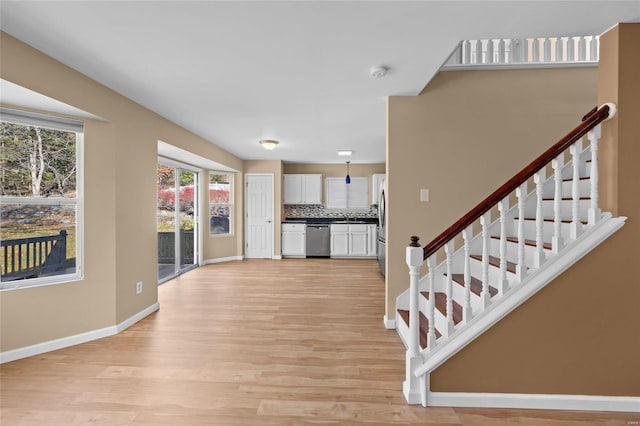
<point x="448" y="249"/>
<point x="538" y="179"/>
<point x="546" y="49"/>
<point x="557" y="241"/>
<point x="535" y="50"/>
<point x="526" y="50"/>
<point x="509" y="50"/>
<point x="431" y="335"/>
<point x="576" y="226"/>
<point x="561" y="49"/>
<point x="503" y="283"/>
<point x="521" y="267"/>
<point x="582" y="49"/>
<point x="488" y="52"/>
<point x="466" y="52"/>
<point x="594" y="210"/>
<point x="466" y="307"/>
<point x="595" y="49"/>
<point x="571" y="49"/>
<point x="485" y="298"/>
<point x="476" y="51"/>
<point x="500" y="54"/>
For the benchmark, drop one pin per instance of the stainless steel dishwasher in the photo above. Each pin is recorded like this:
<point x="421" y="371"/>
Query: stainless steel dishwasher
<point x="318" y="240"/>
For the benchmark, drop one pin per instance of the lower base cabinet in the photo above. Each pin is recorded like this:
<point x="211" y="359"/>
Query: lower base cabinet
<point x="294" y="240"/>
<point x="353" y="240"/>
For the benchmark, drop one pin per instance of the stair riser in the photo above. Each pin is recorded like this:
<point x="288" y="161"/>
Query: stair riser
<point x="512" y="252"/>
<point x="584" y="189"/>
<point x="440" y="320"/>
<point x="494" y="273"/>
<point x="547" y="230"/>
<point x="584" y="169"/>
<point x="459" y="294"/>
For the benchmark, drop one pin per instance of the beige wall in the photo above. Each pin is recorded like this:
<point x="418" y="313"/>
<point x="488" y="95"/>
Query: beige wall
<point x="120" y="206"/>
<point x="578" y="335"/>
<point x="337" y="170"/>
<point x="273" y="167"/>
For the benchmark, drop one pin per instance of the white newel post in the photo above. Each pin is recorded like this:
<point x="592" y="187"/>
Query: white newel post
<point x="411" y="385"/>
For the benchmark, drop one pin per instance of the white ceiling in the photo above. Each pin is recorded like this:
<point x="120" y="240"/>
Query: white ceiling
<point x="235" y="72"/>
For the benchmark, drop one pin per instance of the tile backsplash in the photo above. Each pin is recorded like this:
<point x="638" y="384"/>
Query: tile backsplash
<point x="300" y="211"/>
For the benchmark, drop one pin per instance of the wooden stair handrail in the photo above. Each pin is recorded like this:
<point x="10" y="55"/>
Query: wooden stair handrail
<point x="590" y="121"/>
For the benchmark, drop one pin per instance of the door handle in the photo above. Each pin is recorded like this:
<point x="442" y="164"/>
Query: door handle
<point x="268" y="221"/>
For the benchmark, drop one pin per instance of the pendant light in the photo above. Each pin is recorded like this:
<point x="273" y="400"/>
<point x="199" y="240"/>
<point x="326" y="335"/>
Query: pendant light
<point x="348" y="178"/>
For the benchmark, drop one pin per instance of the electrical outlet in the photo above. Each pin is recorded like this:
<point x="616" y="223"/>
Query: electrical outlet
<point x="139" y="287"/>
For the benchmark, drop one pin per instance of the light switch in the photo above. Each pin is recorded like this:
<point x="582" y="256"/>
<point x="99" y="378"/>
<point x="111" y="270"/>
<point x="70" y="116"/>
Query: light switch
<point x="424" y="195"/>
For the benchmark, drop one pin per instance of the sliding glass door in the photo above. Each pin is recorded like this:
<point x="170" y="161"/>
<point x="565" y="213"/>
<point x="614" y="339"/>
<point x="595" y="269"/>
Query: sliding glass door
<point x="177" y="220"/>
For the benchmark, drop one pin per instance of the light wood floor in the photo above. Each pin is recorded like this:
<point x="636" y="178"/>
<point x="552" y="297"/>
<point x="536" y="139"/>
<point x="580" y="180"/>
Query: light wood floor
<point x="247" y="343"/>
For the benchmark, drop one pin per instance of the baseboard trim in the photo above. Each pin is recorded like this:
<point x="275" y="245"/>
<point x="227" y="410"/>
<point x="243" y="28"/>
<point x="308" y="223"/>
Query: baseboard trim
<point x="76" y="339"/>
<point x="222" y="259"/>
<point x="535" y="401"/>
<point x="389" y="324"/>
<point x="276" y="257"/>
<point x="137" y="317"/>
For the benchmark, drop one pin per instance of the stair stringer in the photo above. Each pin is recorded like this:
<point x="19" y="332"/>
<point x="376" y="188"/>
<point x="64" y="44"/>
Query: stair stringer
<point x="517" y="295"/>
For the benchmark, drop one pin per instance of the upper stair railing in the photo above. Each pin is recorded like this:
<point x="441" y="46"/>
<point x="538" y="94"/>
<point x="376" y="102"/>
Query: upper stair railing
<point x="527" y="51"/>
<point x="493" y="258"/>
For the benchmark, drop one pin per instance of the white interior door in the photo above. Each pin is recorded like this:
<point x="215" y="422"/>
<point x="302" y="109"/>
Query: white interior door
<point x="259" y="216"/>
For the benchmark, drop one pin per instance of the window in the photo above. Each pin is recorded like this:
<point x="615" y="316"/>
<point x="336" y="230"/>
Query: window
<point x="41" y="199"/>
<point x="221" y="203"/>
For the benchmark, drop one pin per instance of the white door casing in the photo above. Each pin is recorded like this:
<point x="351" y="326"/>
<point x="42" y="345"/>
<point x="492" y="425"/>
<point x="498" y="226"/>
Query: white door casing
<point x="259" y="213"/>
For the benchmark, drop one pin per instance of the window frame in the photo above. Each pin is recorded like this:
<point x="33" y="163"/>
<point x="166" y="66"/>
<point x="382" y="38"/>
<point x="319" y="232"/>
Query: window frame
<point x="230" y="204"/>
<point x="61" y="124"/>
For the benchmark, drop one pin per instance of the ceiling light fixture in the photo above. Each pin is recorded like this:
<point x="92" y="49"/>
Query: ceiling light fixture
<point x="377" y="72"/>
<point x="269" y="144"/>
<point x="345" y="152"/>
<point x="348" y="178"/>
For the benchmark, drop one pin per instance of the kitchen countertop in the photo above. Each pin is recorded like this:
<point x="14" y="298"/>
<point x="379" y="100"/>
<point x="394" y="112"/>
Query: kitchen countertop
<point x="329" y="220"/>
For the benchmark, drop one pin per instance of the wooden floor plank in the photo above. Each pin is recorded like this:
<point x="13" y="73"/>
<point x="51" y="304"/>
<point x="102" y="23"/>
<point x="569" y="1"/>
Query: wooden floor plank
<point x="285" y="342"/>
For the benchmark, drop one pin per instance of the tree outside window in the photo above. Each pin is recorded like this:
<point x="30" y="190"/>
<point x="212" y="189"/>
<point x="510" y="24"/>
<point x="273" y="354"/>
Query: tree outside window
<point x="40" y="203"/>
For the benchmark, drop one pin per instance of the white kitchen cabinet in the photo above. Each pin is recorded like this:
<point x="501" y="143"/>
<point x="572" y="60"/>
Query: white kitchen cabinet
<point x="302" y="189"/>
<point x="340" y="195"/>
<point x="294" y="240"/>
<point x="377" y="180"/>
<point x="372" y="240"/>
<point x="339" y="240"/>
<point x="358" y="240"/>
<point x="352" y="241"/>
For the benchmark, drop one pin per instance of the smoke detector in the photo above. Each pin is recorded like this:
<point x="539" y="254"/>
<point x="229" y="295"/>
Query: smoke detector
<point x="377" y="72"/>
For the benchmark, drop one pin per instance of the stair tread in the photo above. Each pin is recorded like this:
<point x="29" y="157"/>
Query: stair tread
<point x="566" y="198"/>
<point x="531" y="243"/>
<point x="571" y="178"/>
<point x="495" y="261"/>
<point x="424" y="326"/>
<point x="476" y="285"/>
<point x="441" y="305"/>
<point x="584" y="222"/>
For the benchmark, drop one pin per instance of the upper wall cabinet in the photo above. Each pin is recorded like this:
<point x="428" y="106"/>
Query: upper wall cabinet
<point x="377" y="179"/>
<point x="302" y="189"/>
<point x="340" y="195"/>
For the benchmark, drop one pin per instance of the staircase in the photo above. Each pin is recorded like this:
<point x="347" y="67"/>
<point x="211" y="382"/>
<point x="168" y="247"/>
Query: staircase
<point x="502" y="252"/>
